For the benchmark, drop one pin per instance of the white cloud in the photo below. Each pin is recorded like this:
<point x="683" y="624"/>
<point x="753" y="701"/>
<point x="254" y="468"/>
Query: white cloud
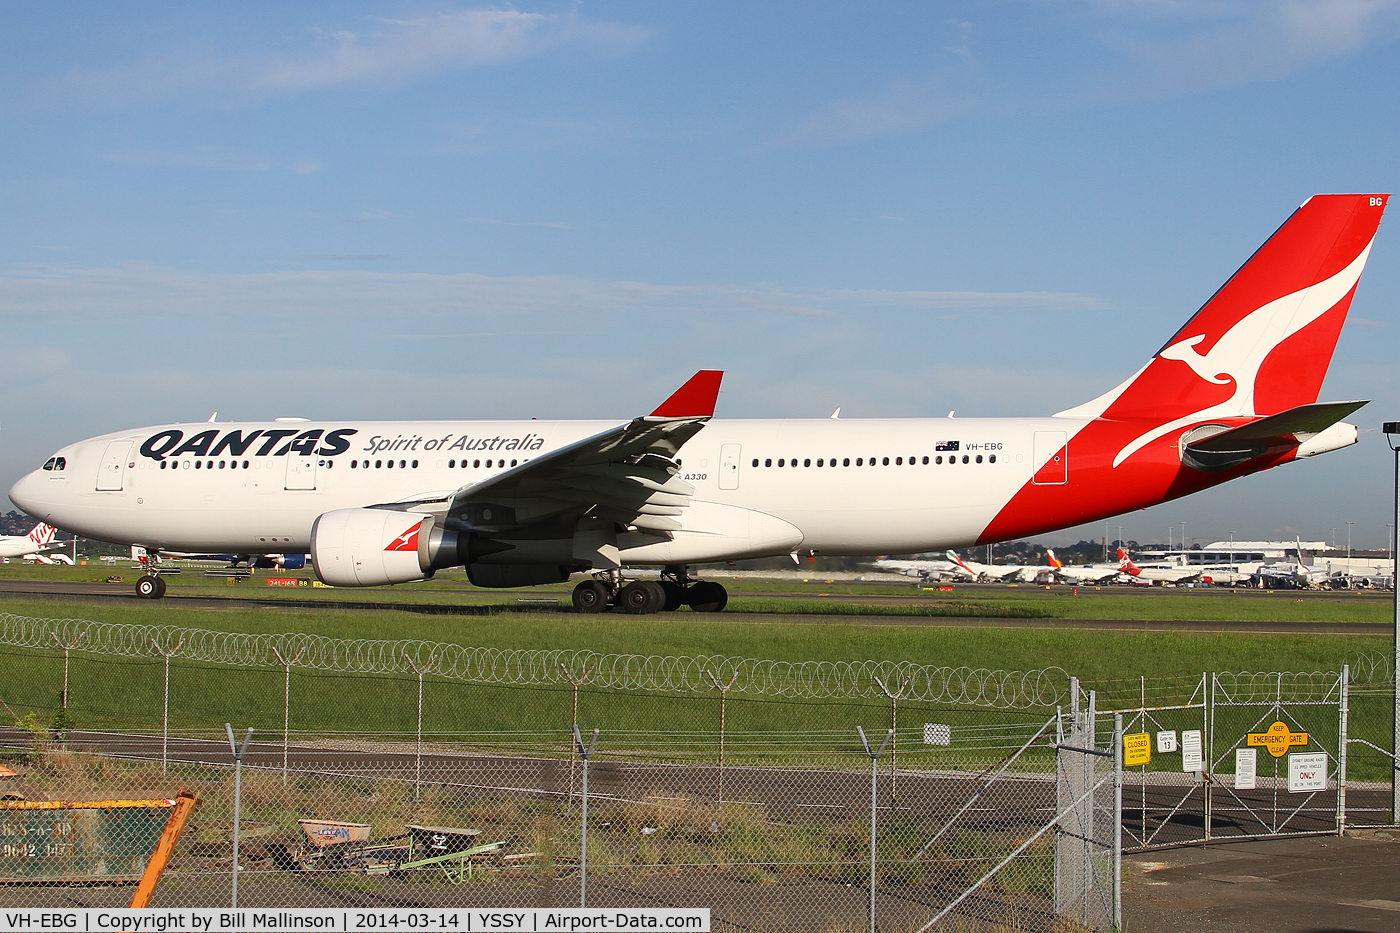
<point x="211" y="157"/>
<point x="902" y="107"/>
<point x="400" y="50"/>
<point x="143" y="291"/>
<point x="1115" y="51"/>
<point x="386" y="52"/>
<point x="1183" y="46"/>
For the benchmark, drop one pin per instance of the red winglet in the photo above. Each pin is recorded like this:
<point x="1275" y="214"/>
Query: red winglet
<point x="695" y="399"/>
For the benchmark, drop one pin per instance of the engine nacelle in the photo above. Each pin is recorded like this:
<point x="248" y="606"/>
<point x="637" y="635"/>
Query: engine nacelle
<point x="377" y="547"/>
<point x="371" y="547"/>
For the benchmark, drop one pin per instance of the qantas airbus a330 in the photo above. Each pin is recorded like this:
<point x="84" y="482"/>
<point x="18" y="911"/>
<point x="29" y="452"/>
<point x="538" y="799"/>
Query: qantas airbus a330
<point x="1233" y="392"/>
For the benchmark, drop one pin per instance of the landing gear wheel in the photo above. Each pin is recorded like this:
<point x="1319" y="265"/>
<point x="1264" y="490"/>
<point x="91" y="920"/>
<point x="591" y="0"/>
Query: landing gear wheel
<point x="675" y="596"/>
<point x="590" y="596"/>
<point x="641" y="597"/>
<point x="150" y="587"/>
<point x="707" y="597"/>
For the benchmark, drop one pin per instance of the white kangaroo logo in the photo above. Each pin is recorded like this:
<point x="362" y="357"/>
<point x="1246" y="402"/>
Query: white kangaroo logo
<point x="1237" y="356"/>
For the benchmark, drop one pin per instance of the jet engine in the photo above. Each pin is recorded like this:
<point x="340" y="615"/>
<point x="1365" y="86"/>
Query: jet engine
<point x="377" y="547"/>
<point x="370" y="547"/>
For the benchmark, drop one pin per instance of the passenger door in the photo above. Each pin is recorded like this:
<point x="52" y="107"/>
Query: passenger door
<point x="1051" y="458"/>
<point x="113" y="468"/>
<point x="729" y="466"/>
<point x="301" y="472"/>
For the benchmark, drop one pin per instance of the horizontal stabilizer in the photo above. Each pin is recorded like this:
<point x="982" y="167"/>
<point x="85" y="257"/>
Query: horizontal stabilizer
<point x="1296" y="424"/>
<point x="1215" y="448"/>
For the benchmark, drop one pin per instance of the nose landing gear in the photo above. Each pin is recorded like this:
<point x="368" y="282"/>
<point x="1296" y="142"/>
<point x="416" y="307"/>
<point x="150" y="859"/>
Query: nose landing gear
<point x="150" y="586"/>
<point x="676" y="588"/>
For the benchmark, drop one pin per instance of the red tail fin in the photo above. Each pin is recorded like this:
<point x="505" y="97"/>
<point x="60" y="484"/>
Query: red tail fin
<point x="1125" y="563"/>
<point x="1263" y="342"/>
<point x="1054" y="561"/>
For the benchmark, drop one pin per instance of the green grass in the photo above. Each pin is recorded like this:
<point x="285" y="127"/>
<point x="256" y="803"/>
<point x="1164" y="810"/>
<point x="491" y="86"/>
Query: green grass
<point x="124" y="693"/>
<point x="794" y="597"/>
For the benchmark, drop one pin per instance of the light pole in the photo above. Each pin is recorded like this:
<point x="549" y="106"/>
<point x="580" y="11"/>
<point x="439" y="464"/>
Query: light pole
<point x="1392" y="438"/>
<point x="1233" y="568"/>
<point x="1349" y="524"/>
<point x="1334" y="539"/>
<point x="1183" y="536"/>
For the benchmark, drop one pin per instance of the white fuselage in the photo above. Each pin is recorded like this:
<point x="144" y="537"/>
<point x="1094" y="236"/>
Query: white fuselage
<point x="19" y="546"/>
<point x="911" y="492"/>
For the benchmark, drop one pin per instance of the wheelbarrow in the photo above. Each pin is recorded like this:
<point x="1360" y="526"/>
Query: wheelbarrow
<point x="331" y="845"/>
<point x="459" y="867"/>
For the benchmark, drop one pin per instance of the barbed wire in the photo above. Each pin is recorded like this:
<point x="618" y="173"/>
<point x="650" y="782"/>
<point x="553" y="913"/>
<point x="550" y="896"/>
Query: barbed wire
<point x="1371" y="668"/>
<point x="1254" y="687"/>
<point x="858" y="679"/>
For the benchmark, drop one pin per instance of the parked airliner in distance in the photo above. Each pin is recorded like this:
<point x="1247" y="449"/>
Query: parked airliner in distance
<point x="1082" y="573"/>
<point x="1233" y="392"/>
<point x="40" y="538"/>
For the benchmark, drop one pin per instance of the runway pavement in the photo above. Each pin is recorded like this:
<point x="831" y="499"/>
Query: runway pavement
<point x="87" y="591"/>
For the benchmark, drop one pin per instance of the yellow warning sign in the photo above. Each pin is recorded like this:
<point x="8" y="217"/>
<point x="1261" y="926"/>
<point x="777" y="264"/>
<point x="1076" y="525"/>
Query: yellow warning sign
<point x="1279" y="739"/>
<point x="1137" y="749"/>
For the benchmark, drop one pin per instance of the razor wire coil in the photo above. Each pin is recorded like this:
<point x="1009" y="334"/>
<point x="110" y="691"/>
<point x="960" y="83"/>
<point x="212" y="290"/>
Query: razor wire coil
<point x="676" y="674"/>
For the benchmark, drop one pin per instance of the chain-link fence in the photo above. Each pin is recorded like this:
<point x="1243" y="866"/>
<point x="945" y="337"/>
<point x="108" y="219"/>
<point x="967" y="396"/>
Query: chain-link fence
<point x="496" y="824"/>
<point x="783" y="796"/>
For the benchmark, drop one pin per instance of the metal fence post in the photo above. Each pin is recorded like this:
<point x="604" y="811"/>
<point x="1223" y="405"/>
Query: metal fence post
<point x="723" y="695"/>
<point x="1208" y="744"/>
<point x="573" y="749"/>
<point x="63" y="697"/>
<point x="286" y="704"/>
<point x="585" y="752"/>
<point x="874" y="764"/>
<point x="1343" y="713"/>
<point x="894" y="696"/>
<point x="418" y="748"/>
<point x="165" y="703"/>
<point x="238" y="753"/>
<point x="1117" y="821"/>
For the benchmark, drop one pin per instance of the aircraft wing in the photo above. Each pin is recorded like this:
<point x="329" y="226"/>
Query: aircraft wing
<point x="626" y="474"/>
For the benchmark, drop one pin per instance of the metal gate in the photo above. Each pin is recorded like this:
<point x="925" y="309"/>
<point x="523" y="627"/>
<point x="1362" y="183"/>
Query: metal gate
<point x="1164" y="796"/>
<point x="1278" y="754"/>
<point x="1073" y="854"/>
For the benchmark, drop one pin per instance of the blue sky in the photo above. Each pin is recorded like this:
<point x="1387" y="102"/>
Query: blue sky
<point x="440" y="211"/>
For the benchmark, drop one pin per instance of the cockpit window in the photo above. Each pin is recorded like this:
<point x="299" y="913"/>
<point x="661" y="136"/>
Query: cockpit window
<point x="60" y="463"/>
<point x="49" y="464"/>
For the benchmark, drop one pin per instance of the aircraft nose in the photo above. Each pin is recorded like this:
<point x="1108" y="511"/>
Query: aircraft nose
<point x="25" y="493"/>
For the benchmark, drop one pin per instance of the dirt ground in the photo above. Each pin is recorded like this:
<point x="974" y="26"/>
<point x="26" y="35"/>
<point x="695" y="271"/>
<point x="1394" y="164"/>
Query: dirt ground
<point x="1303" y="885"/>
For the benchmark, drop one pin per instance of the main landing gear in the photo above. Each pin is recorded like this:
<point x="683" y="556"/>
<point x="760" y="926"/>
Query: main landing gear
<point x="642" y="597"/>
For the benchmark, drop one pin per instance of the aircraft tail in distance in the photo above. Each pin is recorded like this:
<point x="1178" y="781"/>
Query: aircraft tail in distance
<point x="953" y="556"/>
<point x="1054" y="561"/>
<point x="1125" y="563"/>
<point x="42" y="534"/>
